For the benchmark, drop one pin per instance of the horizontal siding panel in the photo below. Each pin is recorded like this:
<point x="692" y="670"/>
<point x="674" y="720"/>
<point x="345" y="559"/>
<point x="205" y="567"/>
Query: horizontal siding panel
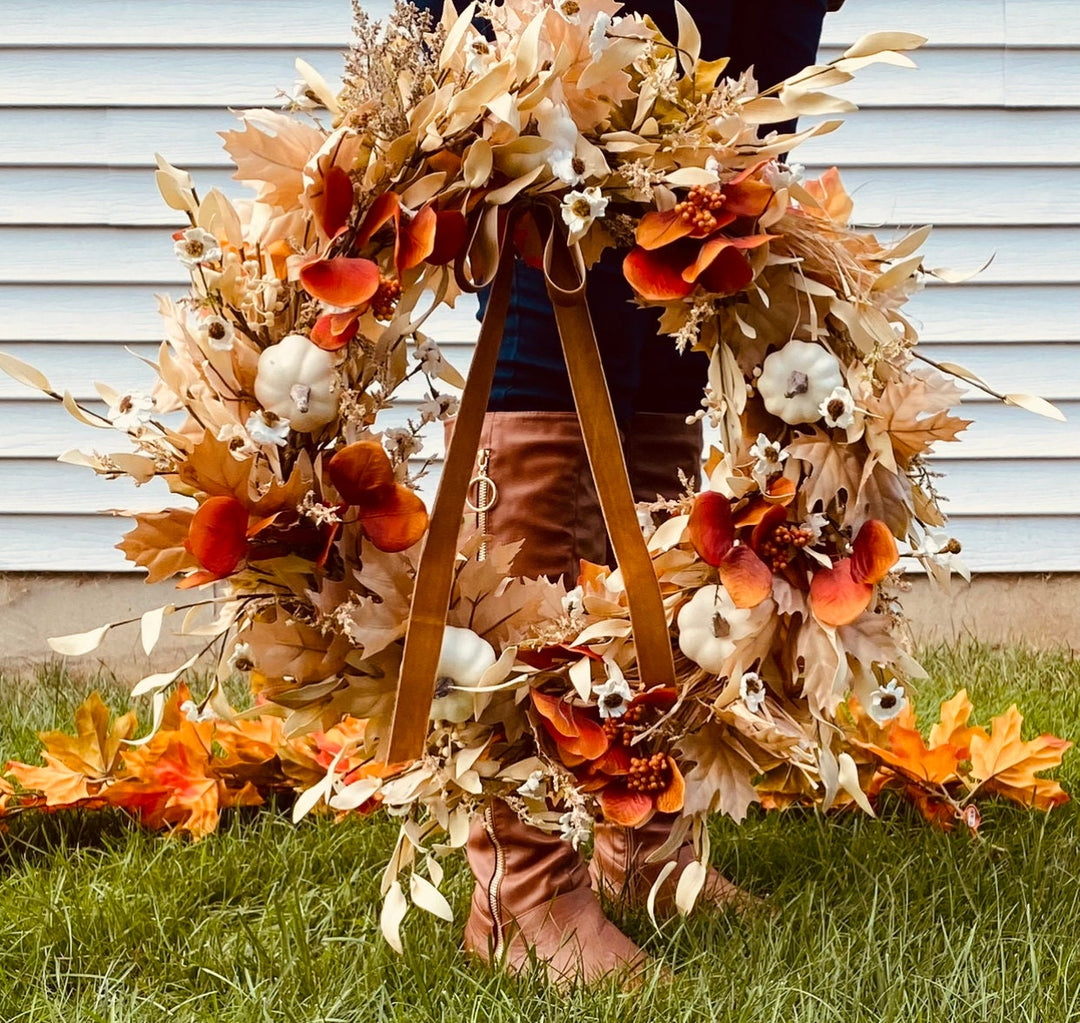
<point x="39" y="429"/>
<point x="885" y="195"/>
<point x="970" y="487"/>
<point x="234" y="76"/>
<point x="897" y="137"/>
<point x="200" y="22"/>
<point x="113" y="255"/>
<point x="963" y="314"/>
<point x="85" y="543"/>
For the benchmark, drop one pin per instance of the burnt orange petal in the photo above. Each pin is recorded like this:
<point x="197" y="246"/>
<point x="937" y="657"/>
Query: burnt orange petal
<point x="746" y="577"/>
<point x="664" y="697"/>
<point x="416" y="239"/>
<point x="625" y="807"/>
<point x="384" y="209"/>
<point x="615" y="762"/>
<point x="658" y="229"/>
<point x="573" y="731"/>
<point x="773" y="516"/>
<point x="656" y="276"/>
<point x="450" y="231"/>
<point x="217" y="536"/>
<point x="728" y="273"/>
<point x="341" y="281"/>
<point x="334" y="330"/>
<point x="836" y="598"/>
<point x="748" y="197"/>
<point x="359" y="468"/>
<point x="671" y="799"/>
<point x="335" y="204"/>
<point x="394" y="518"/>
<point x="712" y="531"/>
<point x="873" y="553"/>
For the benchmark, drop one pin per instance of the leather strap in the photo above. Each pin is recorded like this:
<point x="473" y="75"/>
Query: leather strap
<point x="565" y="273"/>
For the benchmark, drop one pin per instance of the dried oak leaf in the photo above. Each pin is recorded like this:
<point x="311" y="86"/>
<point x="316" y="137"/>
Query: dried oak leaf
<point x="1003" y="763"/>
<point x="720" y="777"/>
<point x="381" y="617"/>
<point x="834" y="469"/>
<point x="78" y="767"/>
<point x="913" y="410"/>
<point x="286" y="648"/>
<point x="157" y="543"/>
<point x="270" y="155"/>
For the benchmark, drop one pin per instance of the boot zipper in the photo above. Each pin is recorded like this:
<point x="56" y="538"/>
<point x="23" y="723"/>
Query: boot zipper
<point x="494" y="903"/>
<point x="486" y="495"/>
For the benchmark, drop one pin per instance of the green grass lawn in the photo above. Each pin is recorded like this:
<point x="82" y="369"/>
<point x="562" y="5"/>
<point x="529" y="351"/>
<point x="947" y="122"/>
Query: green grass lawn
<point x="872" y="920"/>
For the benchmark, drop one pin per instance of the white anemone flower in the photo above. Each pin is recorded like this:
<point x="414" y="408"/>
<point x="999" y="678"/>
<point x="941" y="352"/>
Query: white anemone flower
<point x="266" y="428"/>
<point x="479" y="56"/>
<point x="770" y="456"/>
<point x="838" y="409"/>
<point x="196" y="246"/>
<point x="218" y="333"/>
<point x="241" y="658"/>
<point x="752" y="691"/>
<point x="886" y="702"/>
<point x="782" y="175"/>
<point x="567" y="167"/>
<point x="580" y="208"/>
<point x="131" y="411"/>
<point x="430" y="357"/>
<point x="613" y="696"/>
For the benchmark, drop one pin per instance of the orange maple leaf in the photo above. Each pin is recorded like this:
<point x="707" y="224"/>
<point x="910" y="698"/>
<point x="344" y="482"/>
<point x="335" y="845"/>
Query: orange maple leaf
<point x="77" y="767"/>
<point x="1002" y="762"/>
<point x="953" y="728"/>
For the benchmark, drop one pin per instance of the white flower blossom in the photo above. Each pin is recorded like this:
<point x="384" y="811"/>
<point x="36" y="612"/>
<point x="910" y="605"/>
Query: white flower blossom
<point x="569" y="10"/>
<point x="838" y="408"/>
<point x="613" y="696"/>
<point x="266" y="428"/>
<point x="131" y="411"/>
<point x="886" y="702"/>
<point x="815" y="523"/>
<point x="241" y="658"/>
<point x="441" y="406"/>
<point x="770" y="456"/>
<point x="197" y="246"/>
<point x="598" y="35"/>
<point x="533" y="787"/>
<point x="752" y="691"/>
<point x="782" y="175"/>
<point x="574" y="602"/>
<point x="567" y="167"/>
<point x="190" y="710"/>
<point x="218" y="333"/>
<point x="941" y="550"/>
<point x="478" y="57"/>
<point x="430" y="358"/>
<point x="580" y="208"/>
<point x="401" y="443"/>
<point x="574" y="827"/>
<point x="240" y="444"/>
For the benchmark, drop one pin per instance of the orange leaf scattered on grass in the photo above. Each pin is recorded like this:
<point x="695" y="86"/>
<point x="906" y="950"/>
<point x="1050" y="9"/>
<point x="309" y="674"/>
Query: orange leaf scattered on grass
<point x="1003" y="763"/>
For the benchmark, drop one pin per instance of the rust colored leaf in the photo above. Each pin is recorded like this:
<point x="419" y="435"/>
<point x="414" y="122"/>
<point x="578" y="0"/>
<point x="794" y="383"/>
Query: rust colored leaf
<point x="344" y="281"/>
<point x="873" y="553"/>
<point x="746" y="577"/>
<point x="358" y="469"/>
<point x="659" y="229"/>
<point x="416" y="239"/>
<point x="835" y="597"/>
<point x="657" y="276"/>
<point x="334" y="330"/>
<point x="624" y="806"/>
<point x="710" y="526"/>
<point x="218" y="535"/>
<point x="394" y="517"/>
<point x="157" y="543"/>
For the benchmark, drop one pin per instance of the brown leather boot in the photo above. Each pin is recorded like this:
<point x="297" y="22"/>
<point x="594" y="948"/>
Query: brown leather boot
<point x="532" y="904"/>
<point x="540" y="490"/>
<point x="620" y="871"/>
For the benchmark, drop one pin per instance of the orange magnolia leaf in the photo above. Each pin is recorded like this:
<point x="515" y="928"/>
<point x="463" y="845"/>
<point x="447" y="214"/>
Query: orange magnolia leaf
<point x="359" y="468"/>
<point x="656" y="277"/>
<point x="747" y="579"/>
<point x="333" y="205"/>
<point x="334" y="330"/>
<point x="450" y="233"/>
<point x="873" y="553"/>
<point x="78" y="766"/>
<point x="835" y="597"/>
<point x="715" y="247"/>
<point x="728" y="273"/>
<point x="710" y="526"/>
<point x="394" y="517"/>
<point x="343" y="281"/>
<point x="656" y="230"/>
<point x="1003" y="763"/>
<point x="386" y="208"/>
<point x="747" y="196"/>
<point x="218" y="534"/>
<point x="416" y="239"/>
<point x="671" y="799"/>
<point x="624" y="806"/>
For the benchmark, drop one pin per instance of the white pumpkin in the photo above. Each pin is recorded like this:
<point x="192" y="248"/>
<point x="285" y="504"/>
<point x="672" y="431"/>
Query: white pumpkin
<point x="464" y="658"/>
<point x="297" y="381"/>
<point x="710" y="626"/>
<point x="797" y="379"/>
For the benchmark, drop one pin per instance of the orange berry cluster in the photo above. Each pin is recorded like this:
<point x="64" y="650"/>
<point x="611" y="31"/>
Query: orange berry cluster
<point x="623" y="729"/>
<point x="651" y="774"/>
<point x="700" y="206"/>
<point x="784" y="544"/>
<point x="384" y="301"/>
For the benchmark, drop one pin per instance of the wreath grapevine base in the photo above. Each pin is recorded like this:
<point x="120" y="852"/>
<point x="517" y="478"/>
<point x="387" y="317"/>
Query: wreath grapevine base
<point x="371" y="207"/>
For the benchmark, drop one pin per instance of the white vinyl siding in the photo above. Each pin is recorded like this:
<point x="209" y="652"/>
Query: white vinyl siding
<point x="983" y="140"/>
